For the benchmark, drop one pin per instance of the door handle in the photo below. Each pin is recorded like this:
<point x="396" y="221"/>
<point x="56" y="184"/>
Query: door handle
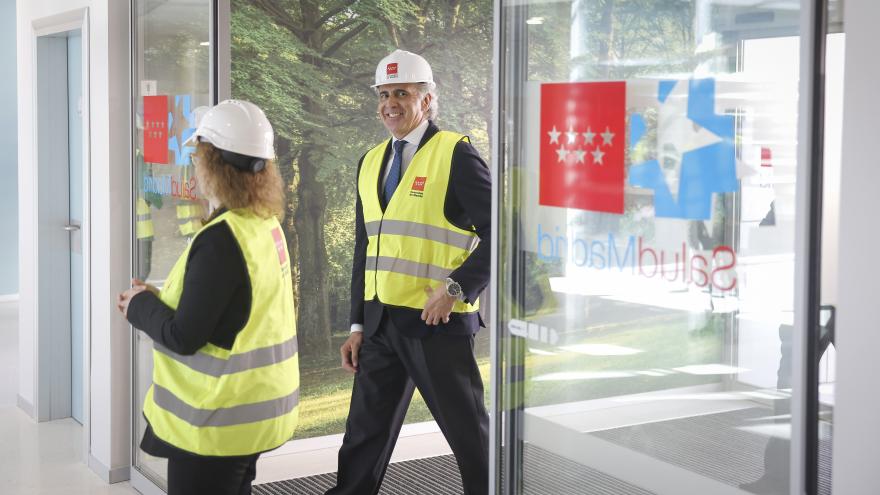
<point x="71" y="227"/>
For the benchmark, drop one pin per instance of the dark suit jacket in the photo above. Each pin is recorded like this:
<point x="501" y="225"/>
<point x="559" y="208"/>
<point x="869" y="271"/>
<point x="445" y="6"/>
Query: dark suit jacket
<point x="468" y="203"/>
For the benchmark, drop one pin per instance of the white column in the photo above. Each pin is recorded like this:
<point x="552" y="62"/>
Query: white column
<point x="110" y="376"/>
<point x="857" y="411"/>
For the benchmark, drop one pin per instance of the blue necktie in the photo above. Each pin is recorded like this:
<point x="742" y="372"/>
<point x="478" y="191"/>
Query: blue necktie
<point x="394" y="174"/>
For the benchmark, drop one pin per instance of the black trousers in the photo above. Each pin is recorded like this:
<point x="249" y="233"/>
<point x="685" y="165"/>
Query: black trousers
<point x="390" y="365"/>
<point x="191" y="475"/>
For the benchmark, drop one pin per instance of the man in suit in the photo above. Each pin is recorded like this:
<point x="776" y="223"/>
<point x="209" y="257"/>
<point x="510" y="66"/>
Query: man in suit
<point x="421" y="259"/>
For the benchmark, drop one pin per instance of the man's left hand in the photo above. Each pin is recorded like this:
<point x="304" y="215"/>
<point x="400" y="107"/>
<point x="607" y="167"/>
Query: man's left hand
<point x="438" y="307"/>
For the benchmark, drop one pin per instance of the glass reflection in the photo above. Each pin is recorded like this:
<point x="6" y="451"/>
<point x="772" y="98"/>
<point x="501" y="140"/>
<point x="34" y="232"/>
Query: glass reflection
<point x="647" y="245"/>
<point x="171" y="86"/>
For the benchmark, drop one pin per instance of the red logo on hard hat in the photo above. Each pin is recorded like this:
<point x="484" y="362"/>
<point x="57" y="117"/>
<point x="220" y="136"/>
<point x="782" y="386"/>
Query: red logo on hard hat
<point x="391" y="71"/>
<point x="279" y="245"/>
<point x="419" y="184"/>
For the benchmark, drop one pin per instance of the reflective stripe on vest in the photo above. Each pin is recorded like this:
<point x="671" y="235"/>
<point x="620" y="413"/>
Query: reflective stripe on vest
<point x="144" y="223"/>
<point x="244" y="400"/>
<point x="228" y="416"/>
<point x="214" y="366"/>
<point x="422" y="231"/>
<point x="411" y="244"/>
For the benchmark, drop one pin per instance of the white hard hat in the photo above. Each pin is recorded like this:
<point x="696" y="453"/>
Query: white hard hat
<point x="198" y="113"/>
<point x="403" y="67"/>
<point x="237" y="126"/>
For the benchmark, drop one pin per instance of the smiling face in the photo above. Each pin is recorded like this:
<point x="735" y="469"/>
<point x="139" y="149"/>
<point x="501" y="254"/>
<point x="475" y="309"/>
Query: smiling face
<point x="402" y="107"/>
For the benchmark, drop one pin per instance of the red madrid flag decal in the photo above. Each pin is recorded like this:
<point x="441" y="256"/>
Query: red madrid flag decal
<point x="582" y="145"/>
<point x="156" y="129"/>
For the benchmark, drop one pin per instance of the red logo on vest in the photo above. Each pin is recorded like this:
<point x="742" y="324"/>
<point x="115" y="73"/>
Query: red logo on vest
<point x="391" y="71"/>
<point x="582" y="145"/>
<point x="279" y="245"/>
<point x="419" y="184"/>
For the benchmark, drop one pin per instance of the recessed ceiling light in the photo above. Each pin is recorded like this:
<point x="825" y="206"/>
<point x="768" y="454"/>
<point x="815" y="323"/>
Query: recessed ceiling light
<point x="535" y="20"/>
<point x="205" y="43"/>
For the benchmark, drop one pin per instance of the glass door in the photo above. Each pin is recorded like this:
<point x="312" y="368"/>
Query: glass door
<point x="647" y="246"/>
<point x="171" y="80"/>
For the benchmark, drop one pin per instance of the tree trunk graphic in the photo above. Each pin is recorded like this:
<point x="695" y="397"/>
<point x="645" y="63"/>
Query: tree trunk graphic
<point x="308" y="224"/>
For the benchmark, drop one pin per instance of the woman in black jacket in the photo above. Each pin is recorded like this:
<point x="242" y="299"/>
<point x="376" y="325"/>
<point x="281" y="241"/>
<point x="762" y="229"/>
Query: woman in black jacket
<point x="225" y="364"/>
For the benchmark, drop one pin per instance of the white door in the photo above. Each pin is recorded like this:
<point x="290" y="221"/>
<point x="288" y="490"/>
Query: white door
<point x="60" y="218"/>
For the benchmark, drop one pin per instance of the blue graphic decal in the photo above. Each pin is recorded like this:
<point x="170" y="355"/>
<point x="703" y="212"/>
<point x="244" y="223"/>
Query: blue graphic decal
<point x="663" y="90"/>
<point x="704" y="170"/>
<point x="177" y="136"/>
<point x="637" y="129"/>
<point x="701" y="108"/>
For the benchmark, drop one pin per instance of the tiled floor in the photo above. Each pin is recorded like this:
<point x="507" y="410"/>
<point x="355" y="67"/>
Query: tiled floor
<point x="44" y="458"/>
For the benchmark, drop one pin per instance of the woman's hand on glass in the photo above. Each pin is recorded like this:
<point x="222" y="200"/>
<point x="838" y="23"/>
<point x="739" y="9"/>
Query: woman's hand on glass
<point x="124" y="298"/>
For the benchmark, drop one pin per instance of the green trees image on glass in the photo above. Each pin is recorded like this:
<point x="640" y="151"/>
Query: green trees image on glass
<point x="309" y="65"/>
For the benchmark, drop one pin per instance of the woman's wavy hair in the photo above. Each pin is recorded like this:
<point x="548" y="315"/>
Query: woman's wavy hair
<point x="261" y="192"/>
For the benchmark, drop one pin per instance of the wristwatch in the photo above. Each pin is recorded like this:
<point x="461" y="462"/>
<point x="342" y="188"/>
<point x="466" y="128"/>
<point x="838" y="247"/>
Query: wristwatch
<point x="453" y="289"/>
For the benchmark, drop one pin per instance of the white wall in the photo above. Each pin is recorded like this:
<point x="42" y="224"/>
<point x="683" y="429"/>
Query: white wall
<point x="857" y="410"/>
<point x="8" y="167"/>
<point x="108" y="226"/>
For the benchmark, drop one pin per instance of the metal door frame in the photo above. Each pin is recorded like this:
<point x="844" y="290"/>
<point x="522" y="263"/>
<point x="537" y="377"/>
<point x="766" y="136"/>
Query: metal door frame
<point x="53" y="387"/>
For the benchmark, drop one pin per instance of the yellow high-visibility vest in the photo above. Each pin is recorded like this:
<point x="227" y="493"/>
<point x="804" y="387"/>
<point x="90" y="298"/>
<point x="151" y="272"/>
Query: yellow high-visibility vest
<point x="144" y="223"/>
<point x="411" y="244"/>
<point x="189" y="218"/>
<point x="244" y="400"/>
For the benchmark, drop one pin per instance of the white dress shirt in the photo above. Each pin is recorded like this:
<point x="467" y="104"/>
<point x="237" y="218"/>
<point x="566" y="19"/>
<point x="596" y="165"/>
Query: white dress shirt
<point x="409" y="150"/>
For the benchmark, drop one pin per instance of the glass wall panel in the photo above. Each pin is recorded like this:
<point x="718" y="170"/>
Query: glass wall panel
<point x="171" y="80"/>
<point x="832" y="137"/>
<point x="310" y="65"/>
<point x="647" y="245"/>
